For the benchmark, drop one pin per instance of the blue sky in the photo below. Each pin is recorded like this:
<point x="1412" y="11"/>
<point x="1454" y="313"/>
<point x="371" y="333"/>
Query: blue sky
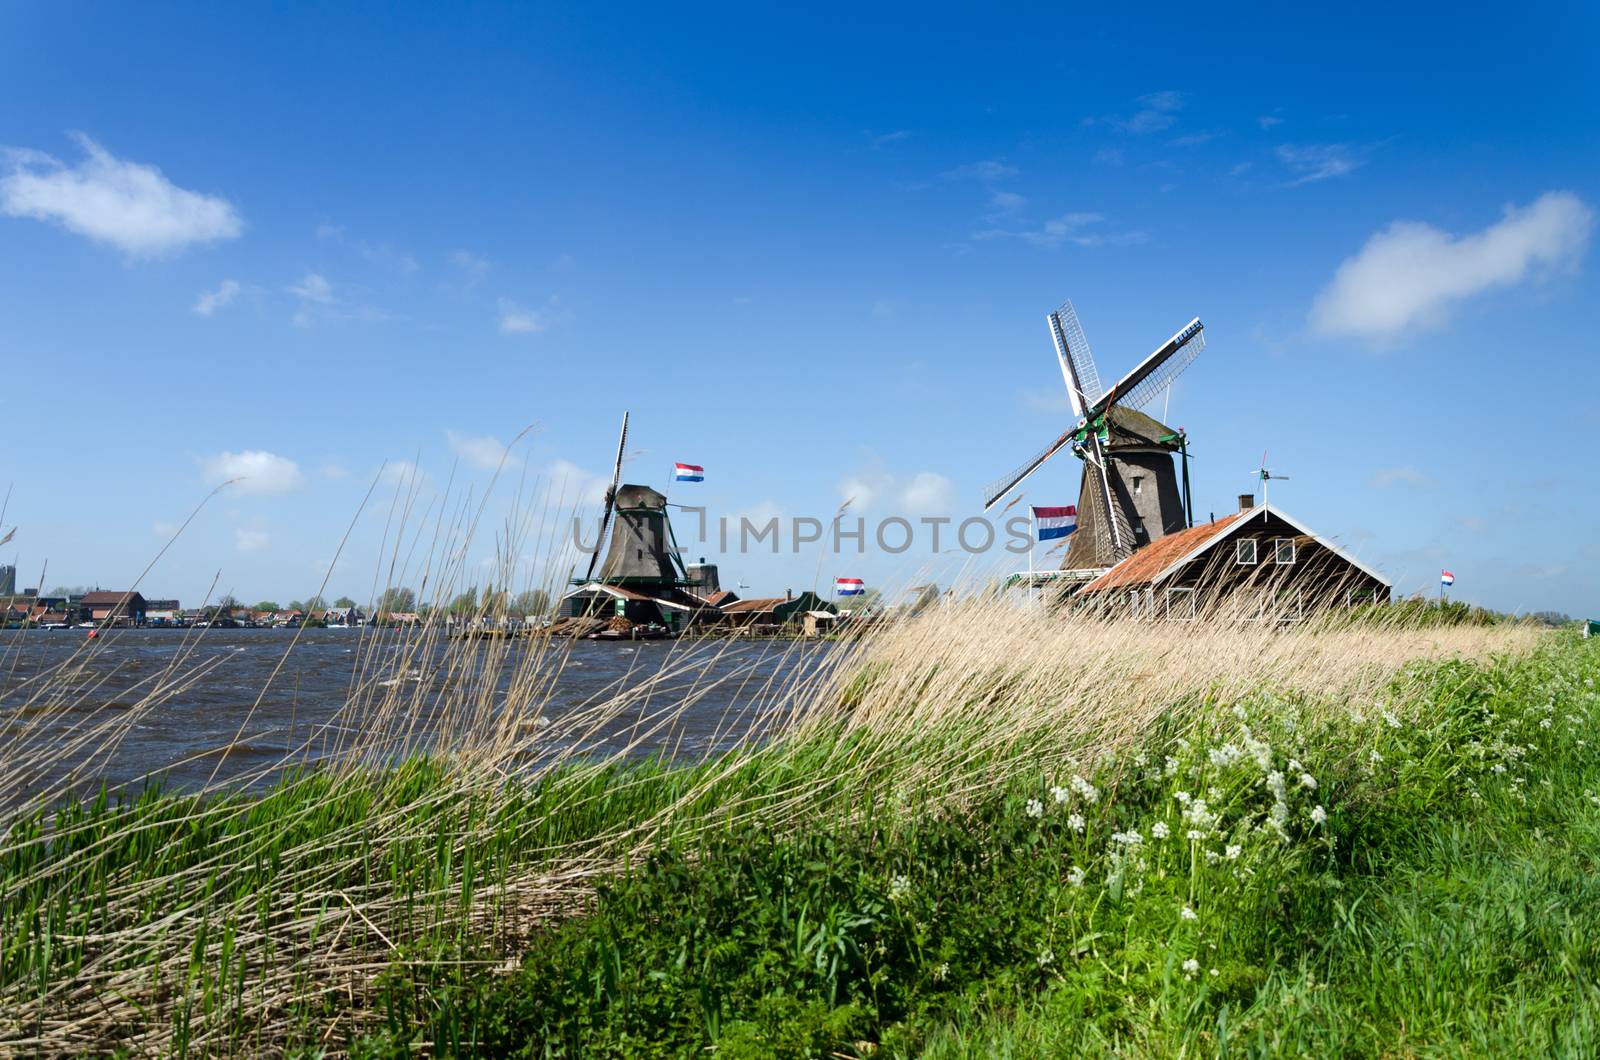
<point x="813" y="255"/>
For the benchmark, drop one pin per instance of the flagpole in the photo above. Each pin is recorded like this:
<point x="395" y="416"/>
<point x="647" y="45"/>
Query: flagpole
<point x="1033" y="536"/>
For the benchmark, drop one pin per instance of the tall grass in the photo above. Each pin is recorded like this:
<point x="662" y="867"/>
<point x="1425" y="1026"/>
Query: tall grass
<point x="447" y="813"/>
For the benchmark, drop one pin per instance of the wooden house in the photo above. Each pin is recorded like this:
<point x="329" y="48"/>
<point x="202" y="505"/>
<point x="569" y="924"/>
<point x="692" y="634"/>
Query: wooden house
<point x="1257" y="564"/>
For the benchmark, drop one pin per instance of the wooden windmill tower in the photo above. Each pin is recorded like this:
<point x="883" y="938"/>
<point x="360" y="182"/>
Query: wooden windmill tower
<point x="642" y="553"/>
<point x="1129" y="492"/>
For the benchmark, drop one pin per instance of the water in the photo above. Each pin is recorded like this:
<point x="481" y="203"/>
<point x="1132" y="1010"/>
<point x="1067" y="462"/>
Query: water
<point x="712" y="692"/>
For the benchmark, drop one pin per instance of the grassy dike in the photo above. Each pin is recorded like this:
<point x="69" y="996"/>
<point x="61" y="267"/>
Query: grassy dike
<point x="1411" y="875"/>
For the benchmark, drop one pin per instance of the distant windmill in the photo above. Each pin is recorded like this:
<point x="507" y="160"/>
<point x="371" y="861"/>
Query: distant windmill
<point x="1128" y="494"/>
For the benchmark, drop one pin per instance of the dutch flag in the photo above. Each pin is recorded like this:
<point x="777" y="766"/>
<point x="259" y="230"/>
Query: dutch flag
<point x="1446" y="578"/>
<point x="1055" y="522"/>
<point x="689" y="473"/>
<point x="848" y="586"/>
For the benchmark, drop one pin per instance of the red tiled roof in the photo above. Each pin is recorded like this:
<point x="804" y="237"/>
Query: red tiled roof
<point x="722" y="598"/>
<point x="1146" y="564"/>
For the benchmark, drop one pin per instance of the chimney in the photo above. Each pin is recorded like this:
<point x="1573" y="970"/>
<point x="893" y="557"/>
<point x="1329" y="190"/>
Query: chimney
<point x="1247" y="501"/>
<point x="788" y="594"/>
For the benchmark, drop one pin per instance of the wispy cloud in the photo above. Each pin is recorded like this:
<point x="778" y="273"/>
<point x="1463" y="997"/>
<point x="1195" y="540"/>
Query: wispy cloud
<point x="472" y="267"/>
<point x="517" y="320"/>
<point x="1157" y="111"/>
<point x="128" y="205"/>
<point x="1313" y="162"/>
<point x="1081" y="229"/>
<point x="211" y="301"/>
<point x="1267" y="121"/>
<point x="1411" y="274"/>
<point x="1006" y="202"/>
<point x="1195" y="139"/>
<point x="313" y="287"/>
<point x="379" y="254"/>
<point x="256" y="471"/>
<point x="1386" y="477"/>
<point x="925" y="492"/>
<point x="486" y="452"/>
<point x="1109" y="156"/>
<point x="882" y="140"/>
<point x="246" y="540"/>
<point x="987" y="171"/>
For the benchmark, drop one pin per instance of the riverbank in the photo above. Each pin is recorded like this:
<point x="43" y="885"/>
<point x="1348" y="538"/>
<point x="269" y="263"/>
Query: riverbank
<point x="905" y="860"/>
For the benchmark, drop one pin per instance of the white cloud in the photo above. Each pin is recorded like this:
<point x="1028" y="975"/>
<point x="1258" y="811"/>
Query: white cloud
<point x="924" y="492"/>
<point x="1158" y="110"/>
<point x="474" y="268"/>
<point x="1004" y="202"/>
<point x="1267" y="121"/>
<point x="1410" y="274"/>
<point x="164" y="530"/>
<point x="928" y="491"/>
<point x="128" y="205"/>
<point x="515" y="320"/>
<point x="881" y="140"/>
<point x="986" y="172"/>
<point x="211" y="301"/>
<point x="570" y="484"/>
<point x="314" y="287"/>
<point x="1314" y="162"/>
<point x="1397" y="476"/>
<point x="257" y="471"/>
<point x="1198" y="138"/>
<point x="404" y="475"/>
<point x="486" y="452"/>
<point x="250" y="540"/>
<point x="1080" y="229"/>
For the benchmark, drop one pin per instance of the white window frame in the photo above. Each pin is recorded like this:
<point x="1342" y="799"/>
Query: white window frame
<point x="1278" y="544"/>
<point x="1186" y="594"/>
<point x="1238" y="552"/>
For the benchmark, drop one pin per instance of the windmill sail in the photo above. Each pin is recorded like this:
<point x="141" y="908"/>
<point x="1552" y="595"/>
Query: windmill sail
<point x="1157" y="371"/>
<point x="1077" y="362"/>
<point x="1004" y="485"/>
<point x="611" y="500"/>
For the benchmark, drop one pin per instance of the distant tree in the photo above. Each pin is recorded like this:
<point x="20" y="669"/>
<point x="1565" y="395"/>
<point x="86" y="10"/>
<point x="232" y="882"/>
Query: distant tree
<point x="397" y="599"/>
<point x="296" y="605"/>
<point x="268" y="605"/>
<point x="344" y="601"/>
<point x="68" y="590"/>
<point x="465" y="603"/>
<point x="316" y="603"/>
<point x="495" y="601"/>
<point x="532" y="603"/>
<point x="227" y="602"/>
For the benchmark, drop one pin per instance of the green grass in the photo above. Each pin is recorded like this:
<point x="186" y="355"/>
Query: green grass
<point x="1441" y="908"/>
<point x="1431" y="890"/>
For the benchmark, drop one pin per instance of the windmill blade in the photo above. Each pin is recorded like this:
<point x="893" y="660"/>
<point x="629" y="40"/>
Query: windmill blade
<point x="1002" y="486"/>
<point x="1112" y="522"/>
<point x="1077" y="362"/>
<point x="1157" y="371"/>
<point x="611" y="500"/>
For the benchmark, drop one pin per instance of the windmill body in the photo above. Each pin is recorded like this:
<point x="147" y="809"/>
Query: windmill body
<point x="1129" y="493"/>
<point x="640" y="552"/>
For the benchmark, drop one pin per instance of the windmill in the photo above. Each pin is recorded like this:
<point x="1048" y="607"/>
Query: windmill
<point x="1264" y="475"/>
<point x="642" y="551"/>
<point x="1128" y="494"/>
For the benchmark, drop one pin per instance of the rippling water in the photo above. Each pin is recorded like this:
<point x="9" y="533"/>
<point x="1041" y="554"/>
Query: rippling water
<point x="54" y="687"/>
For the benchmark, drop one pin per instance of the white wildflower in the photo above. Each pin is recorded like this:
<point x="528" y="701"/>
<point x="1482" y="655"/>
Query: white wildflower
<point x="1308" y="782"/>
<point x="1234" y="850"/>
<point x="1035" y="808"/>
<point x="1194" y="835"/>
<point x="899" y="889"/>
<point x="1374" y="757"/>
<point x="1188" y="914"/>
<point x="1046" y="957"/>
<point x="942" y="972"/>
<point x="1224" y="756"/>
<point x="1075" y="822"/>
<point x="1086" y="791"/>
<point x="1075" y="876"/>
<point x="1159" y="830"/>
<point x="1060" y="794"/>
<point x="1390" y="720"/>
<point x="1191" y="968"/>
<point x="1318" y="815"/>
<point x="1182" y="797"/>
<point x="1214" y="973"/>
<point x="1294" y="766"/>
